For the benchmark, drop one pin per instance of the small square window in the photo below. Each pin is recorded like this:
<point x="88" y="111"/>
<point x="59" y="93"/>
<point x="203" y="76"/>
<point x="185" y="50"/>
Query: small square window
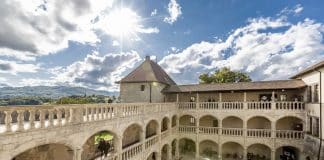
<point x="142" y="87"/>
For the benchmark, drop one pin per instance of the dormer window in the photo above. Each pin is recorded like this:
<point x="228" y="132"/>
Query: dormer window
<point x="142" y="87"/>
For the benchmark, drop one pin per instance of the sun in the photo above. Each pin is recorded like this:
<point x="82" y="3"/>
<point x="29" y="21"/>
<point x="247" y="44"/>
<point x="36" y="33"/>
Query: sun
<point x="122" y="22"/>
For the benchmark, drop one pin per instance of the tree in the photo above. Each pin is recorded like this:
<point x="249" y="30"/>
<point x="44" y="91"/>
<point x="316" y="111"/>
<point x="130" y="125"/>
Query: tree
<point x="224" y="75"/>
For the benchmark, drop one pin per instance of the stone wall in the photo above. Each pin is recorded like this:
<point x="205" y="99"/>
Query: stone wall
<point x="131" y="92"/>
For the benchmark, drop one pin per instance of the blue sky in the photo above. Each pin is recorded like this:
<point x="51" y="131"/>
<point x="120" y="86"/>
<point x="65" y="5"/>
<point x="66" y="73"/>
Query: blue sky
<point x="95" y="43"/>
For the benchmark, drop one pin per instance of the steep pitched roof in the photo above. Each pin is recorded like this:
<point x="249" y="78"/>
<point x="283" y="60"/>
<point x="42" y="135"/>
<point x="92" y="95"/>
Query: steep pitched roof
<point x="309" y="69"/>
<point x="148" y="71"/>
<point x="260" y="85"/>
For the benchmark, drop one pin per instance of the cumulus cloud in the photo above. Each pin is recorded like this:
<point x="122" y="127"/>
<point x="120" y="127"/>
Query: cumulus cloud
<point x="266" y="48"/>
<point x="13" y="67"/>
<point x="33" y="28"/>
<point x="154" y="12"/>
<point x="174" y="10"/>
<point x="96" y="72"/>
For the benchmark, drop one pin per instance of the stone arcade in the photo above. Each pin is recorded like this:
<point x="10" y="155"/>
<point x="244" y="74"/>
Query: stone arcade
<point x="161" y="120"/>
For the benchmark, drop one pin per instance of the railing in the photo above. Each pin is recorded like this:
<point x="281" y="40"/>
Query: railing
<point x="259" y="133"/>
<point x="187" y="105"/>
<point x="259" y="105"/>
<point x="23" y="118"/>
<point x="165" y="134"/>
<point x="187" y="129"/>
<point x="132" y="151"/>
<point x="208" y="130"/>
<point x="232" y="131"/>
<point x="289" y="134"/>
<point x="151" y="141"/>
<point x="290" y="106"/>
<point x="232" y="105"/>
<point x="208" y="105"/>
<point x="296" y="106"/>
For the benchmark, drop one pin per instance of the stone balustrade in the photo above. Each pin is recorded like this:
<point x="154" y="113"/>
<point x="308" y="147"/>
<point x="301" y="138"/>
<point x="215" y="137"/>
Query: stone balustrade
<point x="208" y="130"/>
<point x="254" y="133"/>
<point x="259" y="133"/>
<point x="151" y="141"/>
<point x="132" y="151"/>
<point x="24" y="118"/>
<point x="295" y="106"/>
<point x="288" y="134"/>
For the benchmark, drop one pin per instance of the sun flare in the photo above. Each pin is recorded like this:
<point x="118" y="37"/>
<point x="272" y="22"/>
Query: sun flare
<point x="123" y="22"/>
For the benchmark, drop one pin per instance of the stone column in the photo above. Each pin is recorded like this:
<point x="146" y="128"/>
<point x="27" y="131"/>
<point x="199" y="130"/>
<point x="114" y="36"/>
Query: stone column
<point x="245" y="154"/>
<point x="197" y="101"/>
<point x="59" y="117"/>
<point x="273" y="155"/>
<point x="50" y="118"/>
<point x="220" y="152"/>
<point x="77" y="153"/>
<point x="32" y="119"/>
<point x="169" y="157"/>
<point x="273" y="129"/>
<point x="220" y="97"/>
<point x="177" y="153"/>
<point x="20" y="120"/>
<point x="245" y="104"/>
<point x="273" y="103"/>
<point x="197" y="150"/>
<point x="42" y="118"/>
<point x="118" y="147"/>
<point x="8" y="121"/>
<point x="177" y="97"/>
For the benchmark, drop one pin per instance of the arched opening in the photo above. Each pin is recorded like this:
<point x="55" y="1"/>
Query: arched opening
<point x="165" y="124"/>
<point x="151" y="129"/>
<point x="208" y="121"/>
<point x="47" y="151"/>
<point x="232" y="150"/>
<point x="174" y="121"/>
<point x="232" y="122"/>
<point x="164" y="152"/>
<point x="258" y="151"/>
<point x="187" y="148"/>
<point x="187" y="120"/>
<point x="258" y="123"/>
<point x="99" y="144"/>
<point x="289" y="123"/>
<point x="208" y="149"/>
<point x="132" y="135"/>
<point x="152" y="156"/>
<point x="288" y="152"/>
<point x="174" y="146"/>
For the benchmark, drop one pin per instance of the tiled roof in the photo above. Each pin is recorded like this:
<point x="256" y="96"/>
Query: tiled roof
<point x="259" y="85"/>
<point x="309" y="69"/>
<point x="148" y="71"/>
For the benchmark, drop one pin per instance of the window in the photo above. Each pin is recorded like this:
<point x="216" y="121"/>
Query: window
<point x="215" y="123"/>
<point x="316" y="127"/>
<point x="142" y="87"/>
<point x="309" y="93"/>
<point x="283" y="97"/>
<point x="192" y="120"/>
<point x="310" y="124"/>
<point x="315" y="93"/>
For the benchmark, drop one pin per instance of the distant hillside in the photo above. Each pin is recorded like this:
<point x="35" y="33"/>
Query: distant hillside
<point x="49" y="91"/>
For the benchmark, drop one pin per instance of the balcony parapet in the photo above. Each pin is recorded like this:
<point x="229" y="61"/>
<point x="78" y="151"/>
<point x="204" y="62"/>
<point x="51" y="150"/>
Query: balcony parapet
<point x="295" y="106"/>
<point x="24" y="118"/>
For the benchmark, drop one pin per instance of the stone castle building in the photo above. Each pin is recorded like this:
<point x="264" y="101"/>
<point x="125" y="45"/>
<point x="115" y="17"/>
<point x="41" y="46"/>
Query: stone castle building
<point x="160" y="120"/>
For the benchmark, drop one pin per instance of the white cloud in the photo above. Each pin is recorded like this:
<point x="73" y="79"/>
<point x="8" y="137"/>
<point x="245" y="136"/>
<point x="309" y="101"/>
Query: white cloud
<point x="154" y="12"/>
<point x="174" y="10"/>
<point x="96" y="72"/>
<point x="294" y="10"/>
<point x="298" y="8"/>
<point x="33" y="28"/>
<point x="13" y="67"/>
<point x="115" y="43"/>
<point x="266" y="48"/>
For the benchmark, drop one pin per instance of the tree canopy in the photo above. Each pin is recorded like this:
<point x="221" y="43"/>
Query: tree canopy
<point x="224" y="75"/>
